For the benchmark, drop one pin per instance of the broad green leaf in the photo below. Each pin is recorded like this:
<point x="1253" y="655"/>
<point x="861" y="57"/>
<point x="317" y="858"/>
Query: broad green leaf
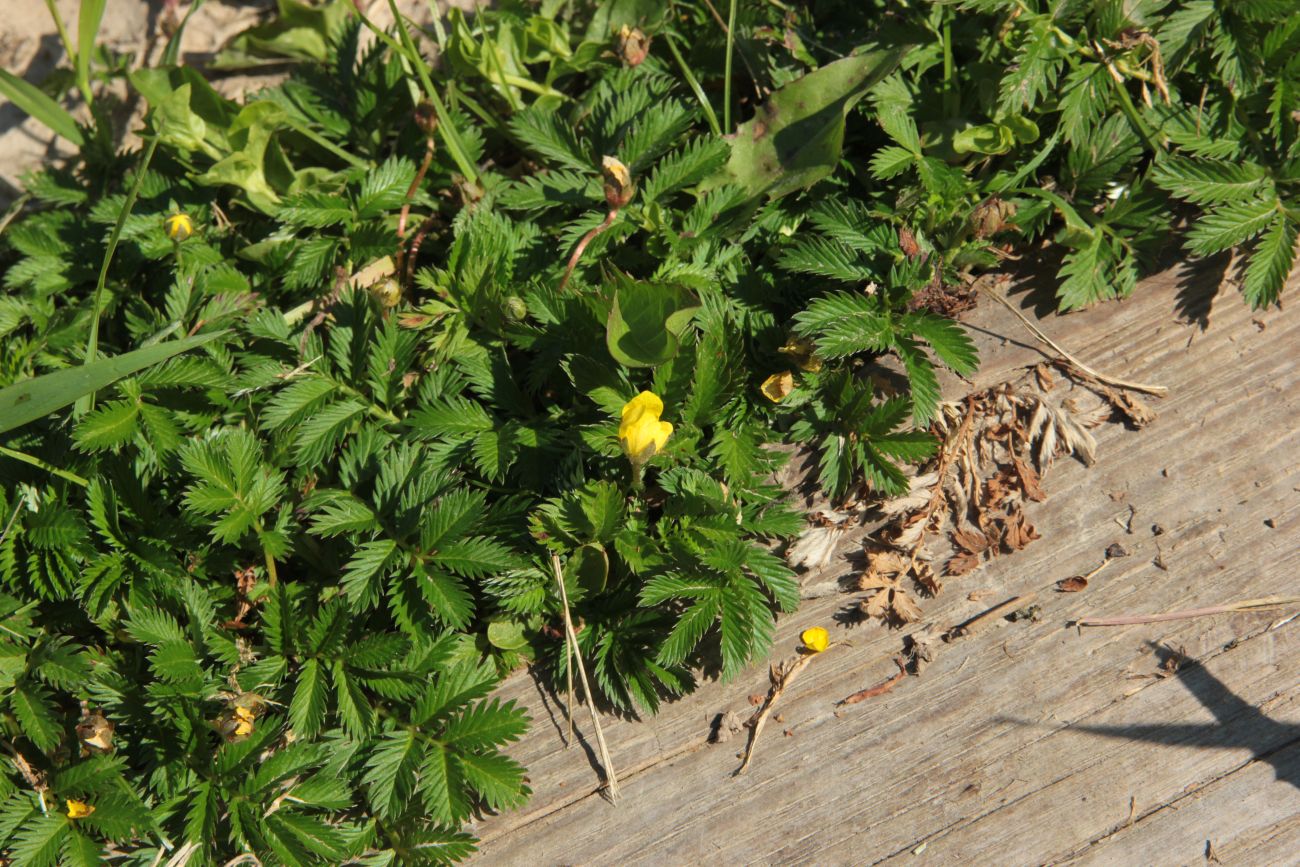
<point x="647" y="321"/>
<point x="32" y="100"/>
<point x="795" y="138"/>
<point x="41" y="395"/>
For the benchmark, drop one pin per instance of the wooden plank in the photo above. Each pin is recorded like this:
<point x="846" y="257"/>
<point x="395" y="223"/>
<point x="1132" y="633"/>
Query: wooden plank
<point x="923" y="762"/>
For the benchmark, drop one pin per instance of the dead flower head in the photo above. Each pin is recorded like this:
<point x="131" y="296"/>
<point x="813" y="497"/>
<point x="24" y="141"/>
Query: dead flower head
<point x="619" y="186"/>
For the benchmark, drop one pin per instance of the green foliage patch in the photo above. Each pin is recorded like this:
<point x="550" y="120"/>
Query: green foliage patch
<point x="283" y="478"/>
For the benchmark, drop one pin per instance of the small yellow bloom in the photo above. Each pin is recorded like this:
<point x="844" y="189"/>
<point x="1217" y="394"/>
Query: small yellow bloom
<point x="79" y="809"/>
<point x="816" y="639"/>
<point x="778" y="386"/>
<point x="619" y="186"/>
<point x="641" y="432"/>
<point x="243" y="722"/>
<point x="179" y="226"/>
<point x="801" y="351"/>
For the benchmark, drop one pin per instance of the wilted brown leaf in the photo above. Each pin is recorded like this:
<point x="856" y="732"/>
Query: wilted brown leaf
<point x="1019" y="532"/>
<point x="1029" y="480"/>
<point x="962" y="563"/>
<point x="1044" y="375"/>
<point x="973" y="542"/>
<point x="1072" y="585"/>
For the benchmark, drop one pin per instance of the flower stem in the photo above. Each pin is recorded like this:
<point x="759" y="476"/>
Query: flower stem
<point x="87" y="403"/>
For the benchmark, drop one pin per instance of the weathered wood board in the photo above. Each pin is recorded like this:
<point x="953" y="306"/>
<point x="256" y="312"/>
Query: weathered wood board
<point x="1028" y="742"/>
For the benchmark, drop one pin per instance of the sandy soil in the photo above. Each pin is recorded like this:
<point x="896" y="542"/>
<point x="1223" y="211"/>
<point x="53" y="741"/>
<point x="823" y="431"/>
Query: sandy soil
<point x="30" y="48"/>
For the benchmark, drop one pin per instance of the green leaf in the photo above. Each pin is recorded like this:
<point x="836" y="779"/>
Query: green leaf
<point x="795" y="138"/>
<point x="33" y="706"/>
<point x="38" y="843"/>
<point x="499" y="779"/>
<point x="845" y="323"/>
<point x="1270" y="263"/>
<point x="921" y="380"/>
<point x="110" y="426"/>
<point x="390" y="772"/>
<point x="1210" y="182"/>
<point x="1230" y="225"/>
<point x="307" y="709"/>
<point x="31" y="100"/>
<point x="646" y="322"/>
<point x="826" y="258"/>
<point x="445" y="793"/>
<point x="41" y="395"/>
<point x="486" y="724"/>
<point x="948" y="340"/>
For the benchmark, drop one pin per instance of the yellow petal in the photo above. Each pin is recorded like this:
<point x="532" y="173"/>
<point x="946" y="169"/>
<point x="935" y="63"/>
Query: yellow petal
<point x="816" y="639"/>
<point x="79" y="809"/>
<point x="646" y="401"/>
<point x="778" y="386"/>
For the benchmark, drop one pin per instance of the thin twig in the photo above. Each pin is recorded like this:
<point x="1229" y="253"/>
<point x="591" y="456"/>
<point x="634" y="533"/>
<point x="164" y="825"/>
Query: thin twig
<point x="781" y="676"/>
<point x="978" y="622"/>
<point x="582" y="245"/>
<point x="1101" y="377"/>
<point x="571" y="637"/>
<point x="880" y="688"/>
<point x="1265" y="604"/>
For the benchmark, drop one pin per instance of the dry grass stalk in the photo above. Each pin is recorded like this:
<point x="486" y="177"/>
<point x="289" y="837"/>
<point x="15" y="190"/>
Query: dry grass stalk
<point x="571" y="646"/>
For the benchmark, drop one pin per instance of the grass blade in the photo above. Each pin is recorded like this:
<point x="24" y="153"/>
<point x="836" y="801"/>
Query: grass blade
<point x="41" y="395"/>
<point x="92" y="13"/>
<point x="30" y="99"/>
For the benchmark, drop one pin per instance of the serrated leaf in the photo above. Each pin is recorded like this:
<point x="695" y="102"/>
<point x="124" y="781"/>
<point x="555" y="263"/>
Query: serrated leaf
<point x="1270" y="263"/>
<point x="1230" y="225"/>
<point x="307" y="709"/>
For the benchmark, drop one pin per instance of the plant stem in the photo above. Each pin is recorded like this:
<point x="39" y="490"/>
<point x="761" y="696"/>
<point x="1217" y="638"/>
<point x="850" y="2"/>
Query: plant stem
<point x="582" y="245"/>
<point x="68" y="47"/>
<point x="726" y="80"/>
<point x="447" y="129"/>
<point x="44" y="465"/>
<point x="951" y="105"/>
<point x="1264" y="604"/>
<point x="87" y="403"/>
<point x="1130" y="110"/>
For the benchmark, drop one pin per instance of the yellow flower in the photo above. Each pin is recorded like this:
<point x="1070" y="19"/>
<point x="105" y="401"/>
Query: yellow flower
<point x="179" y="226"/>
<point x="79" y="809"/>
<point x="778" y="386"/>
<point x="641" y="432"/>
<point x="243" y="722"/>
<point x="816" y="639"/>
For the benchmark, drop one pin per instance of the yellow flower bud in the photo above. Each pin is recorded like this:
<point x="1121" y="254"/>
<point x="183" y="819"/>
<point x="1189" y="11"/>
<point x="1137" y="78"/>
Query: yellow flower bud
<point x="619" y="186"/>
<point x="816" y="639"/>
<point x="179" y="226"/>
<point x="641" y="432"/>
<point x="79" y="809"/>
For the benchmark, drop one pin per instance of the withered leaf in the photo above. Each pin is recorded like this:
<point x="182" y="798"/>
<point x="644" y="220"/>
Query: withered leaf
<point x="1072" y="585"/>
<point x="1133" y="409"/>
<point x="974" y="543"/>
<point x="962" y="563"/>
<point x="1044" y="375"/>
<point x="1115" y="550"/>
<point x="1029" y="480"/>
<point x="1019" y="532"/>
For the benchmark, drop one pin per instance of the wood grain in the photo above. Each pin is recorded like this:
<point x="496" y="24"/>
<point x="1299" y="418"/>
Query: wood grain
<point x="1023" y="743"/>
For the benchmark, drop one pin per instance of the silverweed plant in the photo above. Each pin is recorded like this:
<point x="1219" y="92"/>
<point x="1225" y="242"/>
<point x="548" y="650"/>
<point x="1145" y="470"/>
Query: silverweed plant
<point x="306" y="400"/>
